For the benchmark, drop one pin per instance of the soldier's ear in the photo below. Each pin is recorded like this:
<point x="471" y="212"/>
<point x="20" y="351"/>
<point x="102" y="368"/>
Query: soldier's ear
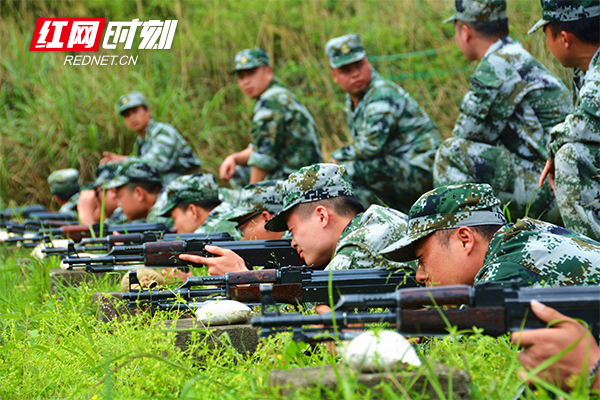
<point x="334" y="74"/>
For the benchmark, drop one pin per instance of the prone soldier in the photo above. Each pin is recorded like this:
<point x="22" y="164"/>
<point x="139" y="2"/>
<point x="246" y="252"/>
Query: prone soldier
<point x="64" y="185"/>
<point x="89" y="205"/>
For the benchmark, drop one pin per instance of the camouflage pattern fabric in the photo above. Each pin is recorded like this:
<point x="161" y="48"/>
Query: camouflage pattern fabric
<point x="447" y="207"/>
<point x="566" y="10"/>
<point x="64" y="182"/>
<point x="165" y="146"/>
<point x="70" y="207"/>
<point x="284" y="136"/>
<point x="216" y="222"/>
<point x="365" y="236"/>
<point x="575" y="147"/>
<point x="312" y="183"/>
<point x="541" y="254"/>
<point x="479" y="11"/>
<point x="188" y="189"/>
<point x="117" y="217"/>
<point x="249" y="59"/>
<point x="393" y="149"/>
<point x="501" y="133"/>
<point x="131" y="100"/>
<point x="262" y="196"/>
<point x="344" y="50"/>
<point x="132" y="171"/>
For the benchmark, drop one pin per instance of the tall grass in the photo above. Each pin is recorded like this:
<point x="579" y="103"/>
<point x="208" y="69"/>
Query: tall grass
<point x="54" y="116"/>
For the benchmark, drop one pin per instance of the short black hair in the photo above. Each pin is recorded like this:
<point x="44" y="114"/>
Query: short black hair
<point x="66" y="196"/>
<point x="486" y="231"/>
<point x="208" y="204"/>
<point x="344" y="206"/>
<point x="150" y="187"/>
<point x="587" y="30"/>
<point x="490" y="30"/>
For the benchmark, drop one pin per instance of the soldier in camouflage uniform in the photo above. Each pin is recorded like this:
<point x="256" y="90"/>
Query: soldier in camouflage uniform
<point x="460" y="235"/>
<point x="157" y="141"/>
<point x="193" y="203"/>
<point x="501" y="133"/>
<point x="64" y="185"/>
<point x="394" y="141"/>
<point x="140" y="192"/>
<point x="284" y="136"/>
<point x="89" y="205"/>
<point x="257" y="204"/>
<point x="574" y="148"/>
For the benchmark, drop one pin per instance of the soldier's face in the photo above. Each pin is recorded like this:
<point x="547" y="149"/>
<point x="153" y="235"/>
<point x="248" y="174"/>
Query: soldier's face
<point x="130" y="203"/>
<point x="185" y="221"/>
<point x="313" y="243"/>
<point x="255" y="81"/>
<point x="110" y="200"/>
<point x="137" y="118"/>
<point x="441" y="264"/>
<point x="558" y="48"/>
<point x="353" y="78"/>
<point x="462" y="38"/>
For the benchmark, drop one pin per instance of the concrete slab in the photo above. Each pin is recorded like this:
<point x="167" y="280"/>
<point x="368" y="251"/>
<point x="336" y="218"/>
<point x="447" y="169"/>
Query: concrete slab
<point x="243" y="337"/>
<point x="60" y="278"/>
<point x="401" y="381"/>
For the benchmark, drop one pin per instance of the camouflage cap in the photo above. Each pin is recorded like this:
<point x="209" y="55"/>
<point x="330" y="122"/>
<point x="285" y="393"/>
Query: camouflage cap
<point x="344" y="50"/>
<point x="479" y="11"/>
<point x="134" y="172"/>
<point x="250" y="58"/>
<point x="312" y="183"/>
<point x="447" y="207"/>
<point x="104" y="174"/>
<point x="131" y="100"/>
<point x="64" y="181"/>
<point x="566" y="10"/>
<point x="262" y="196"/>
<point x="189" y="188"/>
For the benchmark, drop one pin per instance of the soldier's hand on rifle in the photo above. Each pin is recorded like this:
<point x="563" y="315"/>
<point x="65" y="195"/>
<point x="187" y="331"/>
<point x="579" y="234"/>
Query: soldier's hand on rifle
<point x="111" y="157"/>
<point x="541" y="344"/>
<point x="226" y="260"/>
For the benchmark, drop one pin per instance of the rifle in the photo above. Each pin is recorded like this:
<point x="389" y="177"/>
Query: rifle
<point x="33" y="225"/>
<point x="106" y="243"/>
<point x="494" y="307"/>
<point x="78" y="232"/>
<point x="290" y="284"/>
<point x="20" y="212"/>
<point x="265" y="253"/>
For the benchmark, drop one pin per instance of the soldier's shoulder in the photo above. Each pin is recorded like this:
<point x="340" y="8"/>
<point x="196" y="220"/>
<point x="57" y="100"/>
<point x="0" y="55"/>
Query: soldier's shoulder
<point x="382" y="88"/>
<point x="163" y="128"/>
<point x="590" y="92"/>
<point x="276" y="96"/>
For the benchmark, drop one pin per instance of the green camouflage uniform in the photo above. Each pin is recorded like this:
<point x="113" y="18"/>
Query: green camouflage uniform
<point x="135" y="171"/>
<point x="161" y="144"/>
<point x="367" y="233"/>
<point x="575" y="144"/>
<point x="105" y="173"/>
<point x="394" y="141"/>
<point x="284" y="136"/>
<point x="501" y="133"/>
<point x="65" y="184"/>
<point x="535" y="252"/>
<point x="198" y="188"/>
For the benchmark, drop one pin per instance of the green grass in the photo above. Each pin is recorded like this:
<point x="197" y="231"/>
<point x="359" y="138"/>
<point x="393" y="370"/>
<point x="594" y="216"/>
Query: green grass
<point x="54" y="116"/>
<point x="52" y="346"/>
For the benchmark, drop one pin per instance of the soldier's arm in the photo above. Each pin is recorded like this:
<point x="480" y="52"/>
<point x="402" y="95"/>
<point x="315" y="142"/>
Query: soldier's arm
<point x="372" y="136"/>
<point x="227" y="168"/>
<point x="163" y="149"/>
<point x="268" y="131"/>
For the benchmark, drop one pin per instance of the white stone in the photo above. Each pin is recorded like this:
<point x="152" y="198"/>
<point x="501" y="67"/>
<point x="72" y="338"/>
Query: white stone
<point x="4" y="236"/>
<point x="378" y="351"/>
<point x="223" y="312"/>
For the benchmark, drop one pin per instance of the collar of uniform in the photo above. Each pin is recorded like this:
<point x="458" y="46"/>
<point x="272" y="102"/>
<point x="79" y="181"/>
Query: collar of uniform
<point x="274" y="82"/>
<point x="498" y="44"/>
<point x="149" y="133"/>
<point x="350" y="227"/>
<point x="595" y="61"/>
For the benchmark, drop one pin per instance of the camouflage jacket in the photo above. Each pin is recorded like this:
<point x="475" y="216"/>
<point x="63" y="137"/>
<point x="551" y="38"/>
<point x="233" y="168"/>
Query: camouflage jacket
<point x="215" y="222"/>
<point x="70" y="207"/>
<point x="164" y="145"/>
<point x="367" y="234"/>
<point x="388" y="122"/>
<point x="583" y="125"/>
<point x="541" y="254"/>
<point x="284" y="136"/>
<point x="513" y="100"/>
